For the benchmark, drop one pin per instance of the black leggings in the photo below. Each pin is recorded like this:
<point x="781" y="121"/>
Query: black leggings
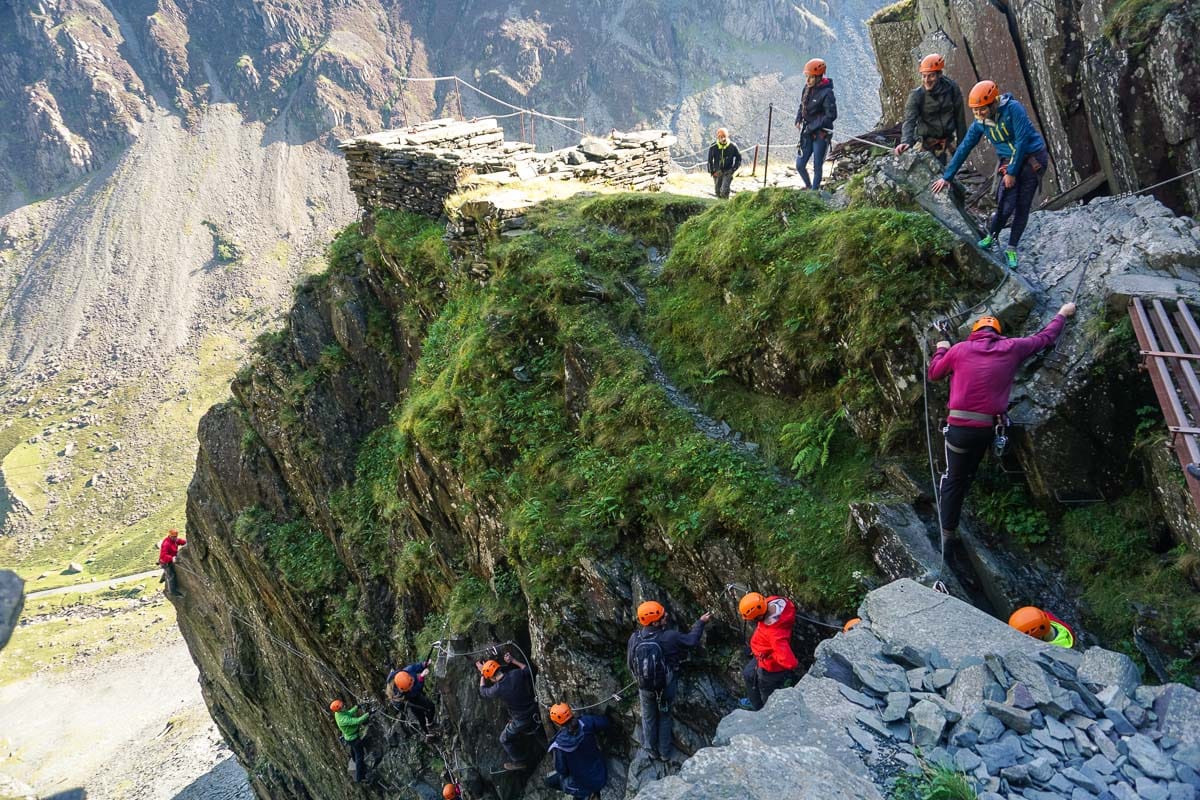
<point x="1017" y="201"/>
<point x="965" y="448"/>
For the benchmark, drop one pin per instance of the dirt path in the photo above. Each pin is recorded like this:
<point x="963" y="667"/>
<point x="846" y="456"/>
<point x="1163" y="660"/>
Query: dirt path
<point x="132" y="727"/>
<point x="91" y="587"/>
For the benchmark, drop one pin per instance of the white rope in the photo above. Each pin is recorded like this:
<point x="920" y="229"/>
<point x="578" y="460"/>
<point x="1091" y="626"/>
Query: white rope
<point x="532" y="112"/>
<point x="1162" y="183"/>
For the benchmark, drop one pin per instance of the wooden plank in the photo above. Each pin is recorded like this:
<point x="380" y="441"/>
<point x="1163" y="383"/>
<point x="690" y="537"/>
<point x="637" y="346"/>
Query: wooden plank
<point x="1076" y="192"/>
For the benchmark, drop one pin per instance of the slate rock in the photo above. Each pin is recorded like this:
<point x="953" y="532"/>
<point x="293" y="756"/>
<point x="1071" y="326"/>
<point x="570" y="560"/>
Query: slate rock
<point x="1041" y="769"/>
<point x="1000" y="754"/>
<point x="858" y="698"/>
<point x="966" y="692"/>
<point x="906" y="654"/>
<point x="1013" y="718"/>
<point x="1188" y="755"/>
<point x="880" y="677"/>
<point x="1149" y="790"/>
<point x="964" y="736"/>
<point x="966" y="761"/>
<point x="1058" y="730"/>
<point x="1101" y="667"/>
<point x="1113" y="697"/>
<point x="1020" y="696"/>
<point x="1079" y="778"/>
<point x="1026" y="670"/>
<point x="916" y="678"/>
<point x="940" y="679"/>
<point x="1181" y="791"/>
<point x="1119" y="723"/>
<point x="897" y="706"/>
<point x="1122" y="791"/>
<point x="1178" y="709"/>
<point x="1136" y="715"/>
<point x="1145" y="696"/>
<point x="1148" y="758"/>
<point x="990" y="730"/>
<point x="927" y="723"/>
<point x="12" y="599"/>
<point x="1100" y="764"/>
<point x="1016" y="775"/>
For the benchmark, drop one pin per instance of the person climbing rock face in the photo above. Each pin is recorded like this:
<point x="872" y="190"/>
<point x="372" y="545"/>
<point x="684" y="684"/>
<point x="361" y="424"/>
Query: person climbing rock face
<point x="814" y="120"/>
<point x="981" y="371"/>
<point x="514" y="685"/>
<point x="1043" y="626"/>
<point x="1022" y="159"/>
<point x="405" y="691"/>
<point x="350" y="723"/>
<point x="933" y="114"/>
<point x="653" y="655"/>
<point x="579" y="768"/>
<point x="451" y="791"/>
<point x="167" y="552"/>
<point x="773" y="664"/>
<point x="724" y="159"/>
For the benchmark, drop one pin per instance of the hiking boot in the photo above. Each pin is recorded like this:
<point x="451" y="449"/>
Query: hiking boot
<point x="744" y="702"/>
<point x="987" y="242"/>
<point x="1010" y="257"/>
<point x="513" y="766"/>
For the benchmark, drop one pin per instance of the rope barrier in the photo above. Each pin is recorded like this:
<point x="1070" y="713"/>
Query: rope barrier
<point x="532" y="112"/>
<point x="1162" y="183"/>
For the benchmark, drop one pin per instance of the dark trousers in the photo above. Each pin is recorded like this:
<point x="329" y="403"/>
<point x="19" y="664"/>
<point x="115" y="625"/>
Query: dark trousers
<point x="813" y="147"/>
<point x="1016" y="202"/>
<point x="721" y="181"/>
<point x="657" y="725"/>
<point x="169" y="575"/>
<point x="761" y="684"/>
<point x="511" y="735"/>
<point x="965" y="448"/>
<point x="358" y="751"/>
<point x="419" y="707"/>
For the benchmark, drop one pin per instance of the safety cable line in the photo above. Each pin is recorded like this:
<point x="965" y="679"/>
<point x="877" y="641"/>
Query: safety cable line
<point x="532" y="112"/>
<point x="1160" y="183"/>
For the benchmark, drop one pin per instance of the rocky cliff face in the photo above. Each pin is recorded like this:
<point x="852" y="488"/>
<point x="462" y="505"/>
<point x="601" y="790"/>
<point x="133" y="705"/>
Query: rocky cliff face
<point x="1110" y="84"/>
<point x="623" y="397"/>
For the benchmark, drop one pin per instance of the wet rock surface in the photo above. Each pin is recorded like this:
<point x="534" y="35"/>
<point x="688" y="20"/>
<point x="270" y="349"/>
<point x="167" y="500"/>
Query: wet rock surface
<point x="1021" y="718"/>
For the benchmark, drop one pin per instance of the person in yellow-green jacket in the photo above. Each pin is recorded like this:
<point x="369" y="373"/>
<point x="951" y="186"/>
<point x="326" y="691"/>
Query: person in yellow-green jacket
<point x="1042" y="625"/>
<point x="350" y="723"/>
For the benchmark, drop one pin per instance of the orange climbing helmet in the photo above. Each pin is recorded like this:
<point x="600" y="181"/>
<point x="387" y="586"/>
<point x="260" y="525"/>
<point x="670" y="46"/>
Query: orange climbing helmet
<point x="450" y="791"/>
<point x="752" y="606"/>
<point x="490" y="668"/>
<point x="560" y="713"/>
<point x="815" y="66"/>
<point x="983" y="94"/>
<point x="986" y="322"/>
<point x="650" y="612"/>
<point x="403" y="680"/>
<point x="1030" y="620"/>
<point x="850" y="623"/>
<point x="932" y="63"/>
<point x="336" y="706"/>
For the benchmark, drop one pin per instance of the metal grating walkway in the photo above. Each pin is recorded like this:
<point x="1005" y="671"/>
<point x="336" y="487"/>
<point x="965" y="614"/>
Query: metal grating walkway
<point x="1162" y="333"/>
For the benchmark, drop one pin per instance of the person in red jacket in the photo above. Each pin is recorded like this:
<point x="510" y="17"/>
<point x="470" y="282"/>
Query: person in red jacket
<point x="774" y="663"/>
<point x="167" y="552"/>
<point x="981" y="371"/>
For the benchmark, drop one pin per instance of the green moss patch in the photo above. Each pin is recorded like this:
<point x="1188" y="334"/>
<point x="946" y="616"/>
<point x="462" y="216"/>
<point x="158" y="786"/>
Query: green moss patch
<point x="1133" y="23"/>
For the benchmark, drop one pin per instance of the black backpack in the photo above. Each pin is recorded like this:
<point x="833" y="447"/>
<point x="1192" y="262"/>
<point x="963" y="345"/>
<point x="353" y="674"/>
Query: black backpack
<point x="648" y="662"/>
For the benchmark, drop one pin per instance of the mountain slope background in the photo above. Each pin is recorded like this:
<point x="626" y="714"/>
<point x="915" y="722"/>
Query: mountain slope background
<point x="166" y="174"/>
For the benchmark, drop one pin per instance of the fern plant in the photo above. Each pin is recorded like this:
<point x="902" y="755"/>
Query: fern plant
<point x="811" y="439"/>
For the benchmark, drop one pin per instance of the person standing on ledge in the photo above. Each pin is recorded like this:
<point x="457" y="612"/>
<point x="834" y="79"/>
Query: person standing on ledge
<point x="814" y="120"/>
<point x="167" y="553"/>
<point x="774" y="663"/>
<point x="1022" y="160"/>
<point x="724" y="159"/>
<point x="514" y="686"/>
<point x="933" y="115"/>
<point x="653" y="656"/>
<point x="981" y="371"/>
<point x="350" y="723"/>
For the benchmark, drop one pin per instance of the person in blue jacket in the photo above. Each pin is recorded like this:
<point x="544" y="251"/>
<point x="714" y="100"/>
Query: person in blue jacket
<point x="1022" y="155"/>
<point x="405" y="691"/>
<point x="579" y="768"/>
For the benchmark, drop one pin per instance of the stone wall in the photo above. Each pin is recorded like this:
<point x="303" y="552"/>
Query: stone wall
<point x="417" y="168"/>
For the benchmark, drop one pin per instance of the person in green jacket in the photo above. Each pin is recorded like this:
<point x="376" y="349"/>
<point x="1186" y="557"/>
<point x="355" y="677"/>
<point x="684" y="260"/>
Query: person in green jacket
<point x="350" y="723"/>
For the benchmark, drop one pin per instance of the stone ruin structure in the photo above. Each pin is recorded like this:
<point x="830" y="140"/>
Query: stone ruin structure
<point x="417" y="168"/>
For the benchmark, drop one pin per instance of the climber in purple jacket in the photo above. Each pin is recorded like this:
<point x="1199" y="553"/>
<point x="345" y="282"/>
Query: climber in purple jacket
<point x="981" y="371"/>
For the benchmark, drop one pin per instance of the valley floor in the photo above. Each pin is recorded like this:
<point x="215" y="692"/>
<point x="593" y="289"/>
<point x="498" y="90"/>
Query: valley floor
<point x="133" y="726"/>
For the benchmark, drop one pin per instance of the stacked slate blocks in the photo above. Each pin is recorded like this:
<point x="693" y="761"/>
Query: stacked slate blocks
<point x="929" y="678"/>
<point x="417" y="168"/>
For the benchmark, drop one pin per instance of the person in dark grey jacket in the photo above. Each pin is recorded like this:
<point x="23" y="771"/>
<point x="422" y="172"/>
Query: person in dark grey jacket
<point x="814" y="120"/>
<point x="724" y="159"/>
<point x="653" y="656"/>
<point x="934" y="118"/>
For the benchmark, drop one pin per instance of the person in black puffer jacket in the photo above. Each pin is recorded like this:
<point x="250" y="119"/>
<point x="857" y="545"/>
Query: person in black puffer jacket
<point x="814" y="120"/>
